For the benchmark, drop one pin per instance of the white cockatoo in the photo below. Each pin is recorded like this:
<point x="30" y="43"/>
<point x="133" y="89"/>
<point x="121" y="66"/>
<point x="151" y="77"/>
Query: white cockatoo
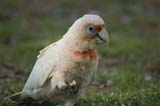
<point x="64" y="69"/>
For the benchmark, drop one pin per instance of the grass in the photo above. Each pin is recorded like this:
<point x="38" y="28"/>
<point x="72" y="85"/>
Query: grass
<point x="129" y="69"/>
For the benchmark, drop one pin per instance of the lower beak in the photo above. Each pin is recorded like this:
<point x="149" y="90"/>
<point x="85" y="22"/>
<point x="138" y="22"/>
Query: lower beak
<point x="102" y="37"/>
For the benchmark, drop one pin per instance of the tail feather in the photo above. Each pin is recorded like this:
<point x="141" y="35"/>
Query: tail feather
<point x="14" y="97"/>
<point x="17" y="97"/>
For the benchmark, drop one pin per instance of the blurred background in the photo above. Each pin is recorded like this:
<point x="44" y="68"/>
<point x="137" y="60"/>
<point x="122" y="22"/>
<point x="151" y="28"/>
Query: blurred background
<point x="129" y="72"/>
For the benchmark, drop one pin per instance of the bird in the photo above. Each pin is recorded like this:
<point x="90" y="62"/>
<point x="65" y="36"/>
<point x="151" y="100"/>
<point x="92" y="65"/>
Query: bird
<point x="64" y="69"/>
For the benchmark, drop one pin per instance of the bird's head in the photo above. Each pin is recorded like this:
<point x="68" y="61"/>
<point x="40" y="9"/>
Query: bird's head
<point x="89" y="30"/>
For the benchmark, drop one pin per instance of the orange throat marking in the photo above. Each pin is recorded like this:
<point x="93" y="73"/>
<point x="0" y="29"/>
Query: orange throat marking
<point x="91" y="54"/>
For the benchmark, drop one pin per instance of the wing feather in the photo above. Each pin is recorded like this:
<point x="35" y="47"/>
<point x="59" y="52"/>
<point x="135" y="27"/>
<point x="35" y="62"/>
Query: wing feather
<point x="42" y="69"/>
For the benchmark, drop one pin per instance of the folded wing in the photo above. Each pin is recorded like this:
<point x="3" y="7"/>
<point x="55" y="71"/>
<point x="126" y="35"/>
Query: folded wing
<point x="43" y="68"/>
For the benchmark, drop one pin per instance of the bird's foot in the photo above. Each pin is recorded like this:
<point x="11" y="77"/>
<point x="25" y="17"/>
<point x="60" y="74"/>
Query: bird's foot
<point x="61" y="85"/>
<point x="72" y="88"/>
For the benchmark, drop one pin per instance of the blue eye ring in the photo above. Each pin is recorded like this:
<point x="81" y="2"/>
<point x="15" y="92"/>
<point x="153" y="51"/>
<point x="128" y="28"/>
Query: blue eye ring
<point x="90" y="30"/>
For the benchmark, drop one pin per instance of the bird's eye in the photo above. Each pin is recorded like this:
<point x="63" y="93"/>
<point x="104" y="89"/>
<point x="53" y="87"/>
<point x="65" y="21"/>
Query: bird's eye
<point x="90" y="30"/>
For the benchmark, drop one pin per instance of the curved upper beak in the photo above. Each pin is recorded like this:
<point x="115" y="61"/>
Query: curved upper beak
<point x="102" y="36"/>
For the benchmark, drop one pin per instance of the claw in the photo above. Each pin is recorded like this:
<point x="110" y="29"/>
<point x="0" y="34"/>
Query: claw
<point x="73" y="83"/>
<point x="72" y="88"/>
<point x="62" y="85"/>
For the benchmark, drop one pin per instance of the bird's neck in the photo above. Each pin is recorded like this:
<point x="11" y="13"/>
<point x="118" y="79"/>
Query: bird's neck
<point x="80" y="48"/>
<point x="91" y="53"/>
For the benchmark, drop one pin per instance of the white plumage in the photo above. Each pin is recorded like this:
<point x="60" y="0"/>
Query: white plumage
<point x="64" y="69"/>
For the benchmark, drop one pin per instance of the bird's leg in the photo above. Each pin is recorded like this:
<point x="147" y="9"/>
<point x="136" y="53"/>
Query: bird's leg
<point x="69" y="103"/>
<point x="83" y="94"/>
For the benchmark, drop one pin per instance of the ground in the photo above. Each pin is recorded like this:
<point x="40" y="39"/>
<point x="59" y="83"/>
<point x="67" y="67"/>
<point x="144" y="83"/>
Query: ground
<point x="129" y="71"/>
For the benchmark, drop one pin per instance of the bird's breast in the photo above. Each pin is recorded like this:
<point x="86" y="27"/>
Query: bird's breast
<point x="80" y="71"/>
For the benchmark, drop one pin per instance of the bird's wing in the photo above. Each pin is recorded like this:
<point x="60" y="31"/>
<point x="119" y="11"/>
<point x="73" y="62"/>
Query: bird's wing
<point x="41" y="52"/>
<point x="44" y="66"/>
